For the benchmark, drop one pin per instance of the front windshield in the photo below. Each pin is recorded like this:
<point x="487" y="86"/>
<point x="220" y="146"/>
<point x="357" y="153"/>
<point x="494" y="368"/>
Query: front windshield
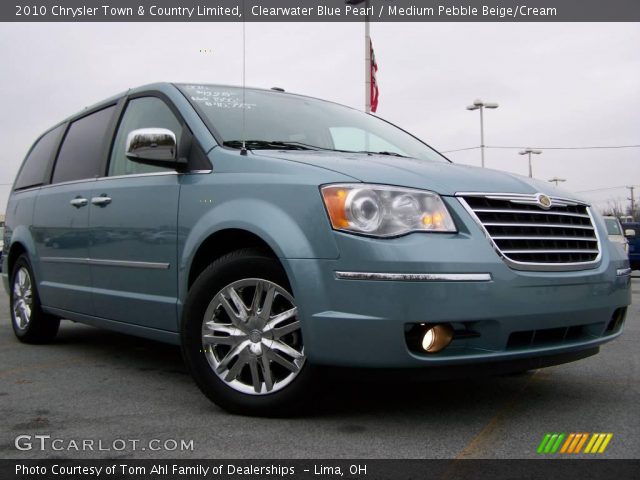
<point x="613" y="226"/>
<point x="277" y="120"/>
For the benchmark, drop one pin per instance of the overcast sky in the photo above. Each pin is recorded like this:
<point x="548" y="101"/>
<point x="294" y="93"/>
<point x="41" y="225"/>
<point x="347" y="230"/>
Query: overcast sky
<point x="557" y="84"/>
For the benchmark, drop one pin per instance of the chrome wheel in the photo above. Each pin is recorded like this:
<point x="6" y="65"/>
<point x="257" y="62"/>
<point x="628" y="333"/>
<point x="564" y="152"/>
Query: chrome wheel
<point x="251" y="336"/>
<point x="22" y="299"/>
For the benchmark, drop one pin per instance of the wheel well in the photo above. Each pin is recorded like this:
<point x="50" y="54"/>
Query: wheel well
<point x="15" y="251"/>
<point x="221" y="243"/>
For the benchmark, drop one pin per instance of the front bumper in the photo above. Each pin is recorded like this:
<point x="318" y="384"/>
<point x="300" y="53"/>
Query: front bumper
<point x="361" y="322"/>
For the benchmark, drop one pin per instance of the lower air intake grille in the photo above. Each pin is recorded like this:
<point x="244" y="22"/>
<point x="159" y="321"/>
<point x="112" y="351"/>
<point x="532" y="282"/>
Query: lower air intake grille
<point x="536" y="232"/>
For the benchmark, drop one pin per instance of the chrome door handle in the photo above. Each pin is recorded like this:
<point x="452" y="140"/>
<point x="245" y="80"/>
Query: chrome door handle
<point x="101" y="201"/>
<point x="79" y="202"/>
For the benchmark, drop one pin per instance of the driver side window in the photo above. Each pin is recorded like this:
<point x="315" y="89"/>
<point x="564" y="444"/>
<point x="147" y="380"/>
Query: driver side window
<point x="144" y="112"/>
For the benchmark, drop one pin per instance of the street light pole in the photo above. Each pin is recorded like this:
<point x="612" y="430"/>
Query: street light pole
<point x="529" y="151"/>
<point x="480" y="105"/>
<point x="557" y="180"/>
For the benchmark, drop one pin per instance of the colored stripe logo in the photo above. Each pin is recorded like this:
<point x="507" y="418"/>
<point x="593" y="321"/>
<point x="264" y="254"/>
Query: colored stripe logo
<point x="574" y="443"/>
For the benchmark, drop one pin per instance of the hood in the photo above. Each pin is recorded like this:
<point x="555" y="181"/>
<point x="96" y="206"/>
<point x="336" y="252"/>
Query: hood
<point x="440" y="177"/>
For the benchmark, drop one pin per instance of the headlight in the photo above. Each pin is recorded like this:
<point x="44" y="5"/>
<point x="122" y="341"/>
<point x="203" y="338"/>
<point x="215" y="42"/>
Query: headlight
<point x="384" y="211"/>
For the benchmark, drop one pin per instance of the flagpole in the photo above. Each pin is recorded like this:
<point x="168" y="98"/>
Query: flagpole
<point x="367" y="62"/>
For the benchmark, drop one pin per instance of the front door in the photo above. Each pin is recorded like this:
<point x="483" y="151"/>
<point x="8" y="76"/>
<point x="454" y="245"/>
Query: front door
<point x="133" y="222"/>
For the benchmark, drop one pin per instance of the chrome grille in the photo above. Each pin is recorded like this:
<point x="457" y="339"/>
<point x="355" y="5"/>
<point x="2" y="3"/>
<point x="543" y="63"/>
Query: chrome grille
<point x="531" y="237"/>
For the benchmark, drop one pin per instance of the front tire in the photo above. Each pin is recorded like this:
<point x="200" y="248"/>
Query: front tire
<point x="30" y="323"/>
<point x="241" y="338"/>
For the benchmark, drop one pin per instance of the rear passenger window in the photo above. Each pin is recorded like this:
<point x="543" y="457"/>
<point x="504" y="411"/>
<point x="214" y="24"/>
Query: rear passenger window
<point x="81" y="154"/>
<point x="36" y="164"/>
<point x="144" y="112"/>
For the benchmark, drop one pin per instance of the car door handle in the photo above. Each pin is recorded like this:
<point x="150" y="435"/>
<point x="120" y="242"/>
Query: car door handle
<point x="79" y="202"/>
<point x="101" y="201"/>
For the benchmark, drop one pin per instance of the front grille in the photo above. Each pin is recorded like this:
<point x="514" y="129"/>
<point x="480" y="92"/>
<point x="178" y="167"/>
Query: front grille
<point x="531" y="237"/>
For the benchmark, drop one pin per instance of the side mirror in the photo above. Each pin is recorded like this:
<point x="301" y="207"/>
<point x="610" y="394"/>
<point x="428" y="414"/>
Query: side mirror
<point x="629" y="232"/>
<point x="153" y="146"/>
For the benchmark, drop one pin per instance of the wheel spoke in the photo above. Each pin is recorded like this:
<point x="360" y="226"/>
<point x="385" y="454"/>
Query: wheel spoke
<point x="21" y="313"/>
<point x="233" y="353"/>
<point x="257" y="297"/>
<point x="276" y="357"/>
<point x="265" y="311"/>
<point x="17" y="310"/>
<point x="231" y="340"/>
<point x="284" y="348"/>
<point x="266" y="373"/>
<point x="279" y="332"/>
<point x="234" y="371"/>
<point x="281" y="317"/>
<point x="255" y="377"/>
<point x="239" y="304"/>
<point x="233" y="315"/>
<point x="221" y="327"/>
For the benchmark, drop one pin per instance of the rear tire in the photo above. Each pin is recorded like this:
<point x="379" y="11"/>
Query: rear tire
<point x="241" y="338"/>
<point x="30" y="323"/>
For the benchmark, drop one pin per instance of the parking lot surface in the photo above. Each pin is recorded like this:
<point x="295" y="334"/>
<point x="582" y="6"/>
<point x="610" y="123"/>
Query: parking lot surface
<point x="102" y="386"/>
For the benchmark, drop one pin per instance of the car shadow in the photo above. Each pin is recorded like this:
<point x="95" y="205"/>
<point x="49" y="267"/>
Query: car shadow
<point x="340" y="392"/>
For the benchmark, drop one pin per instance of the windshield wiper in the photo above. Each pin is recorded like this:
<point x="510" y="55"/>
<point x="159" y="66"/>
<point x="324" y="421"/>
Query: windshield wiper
<point x="269" y="144"/>
<point x="391" y="154"/>
<point x="292" y="145"/>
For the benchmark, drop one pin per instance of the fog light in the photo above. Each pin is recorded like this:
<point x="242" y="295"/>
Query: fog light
<point x="437" y="338"/>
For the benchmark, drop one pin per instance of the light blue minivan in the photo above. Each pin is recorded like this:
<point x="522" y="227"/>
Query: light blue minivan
<point x="272" y="234"/>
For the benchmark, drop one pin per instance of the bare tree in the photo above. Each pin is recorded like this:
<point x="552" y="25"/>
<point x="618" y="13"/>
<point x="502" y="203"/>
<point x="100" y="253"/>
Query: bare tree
<point x="614" y="209"/>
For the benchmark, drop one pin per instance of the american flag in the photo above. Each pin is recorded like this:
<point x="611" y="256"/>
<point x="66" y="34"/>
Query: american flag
<point x="374" y="84"/>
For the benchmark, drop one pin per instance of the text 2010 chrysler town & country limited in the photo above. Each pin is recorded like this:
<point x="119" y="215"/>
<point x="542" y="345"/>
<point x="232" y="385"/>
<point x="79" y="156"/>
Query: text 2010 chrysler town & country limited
<point x="333" y="238"/>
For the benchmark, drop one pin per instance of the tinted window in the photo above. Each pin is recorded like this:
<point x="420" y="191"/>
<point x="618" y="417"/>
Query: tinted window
<point x="82" y="150"/>
<point x="36" y="164"/>
<point x="146" y="112"/>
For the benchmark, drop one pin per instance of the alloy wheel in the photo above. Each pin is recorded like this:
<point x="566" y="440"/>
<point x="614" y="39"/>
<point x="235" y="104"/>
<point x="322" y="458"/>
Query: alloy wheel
<point x="251" y="336"/>
<point x="22" y="298"/>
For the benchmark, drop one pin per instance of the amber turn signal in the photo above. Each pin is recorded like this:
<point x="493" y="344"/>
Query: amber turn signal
<point x="335" y="199"/>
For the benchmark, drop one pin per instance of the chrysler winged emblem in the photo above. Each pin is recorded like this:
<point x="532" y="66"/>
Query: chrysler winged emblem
<point x="543" y="201"/>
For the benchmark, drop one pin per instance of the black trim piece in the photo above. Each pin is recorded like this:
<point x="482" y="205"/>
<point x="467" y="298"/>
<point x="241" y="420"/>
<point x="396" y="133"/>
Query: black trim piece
<point x="216" y="135"/>
<point x="467" y="370"/>
<point x="112" y="130"/>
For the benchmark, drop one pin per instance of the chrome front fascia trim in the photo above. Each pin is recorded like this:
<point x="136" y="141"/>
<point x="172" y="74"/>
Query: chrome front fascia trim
<point x="623" y="272"/>
<point x="415" y="277"/>
<point x="107" y="263"/>
<point x="522" y="198"/>
<point x="533" y="266"/>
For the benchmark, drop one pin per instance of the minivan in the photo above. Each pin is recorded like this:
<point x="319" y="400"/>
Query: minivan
<point x="271" y="235"/>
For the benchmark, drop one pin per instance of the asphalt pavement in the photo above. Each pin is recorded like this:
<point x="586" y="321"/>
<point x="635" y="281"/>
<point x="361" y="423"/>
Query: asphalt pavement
<point x="116" y="390"/>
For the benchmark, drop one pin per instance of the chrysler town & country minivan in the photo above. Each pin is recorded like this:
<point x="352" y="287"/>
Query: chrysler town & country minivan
<point x="270" y="234"/>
